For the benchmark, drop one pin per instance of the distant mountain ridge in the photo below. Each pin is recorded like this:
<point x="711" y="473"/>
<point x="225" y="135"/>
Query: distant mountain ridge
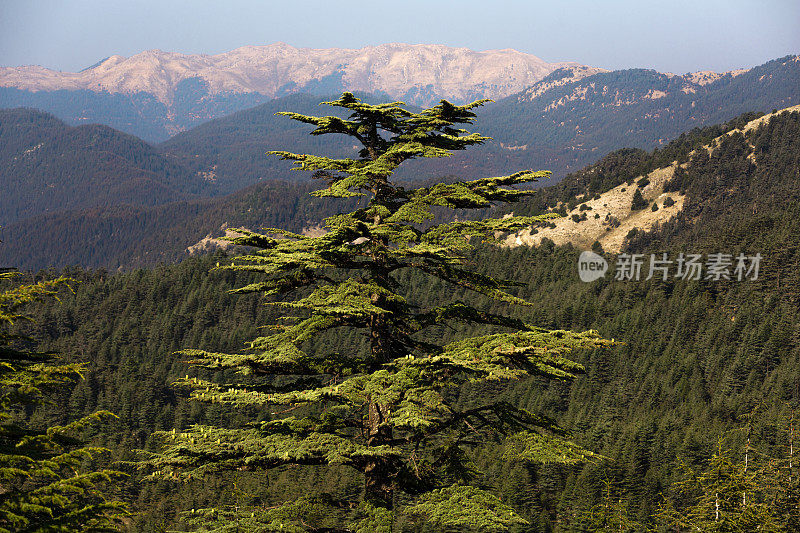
<point x="688" y="83"/>
<point x="562" y="123"/>
<point x="155" y="94"/>
<point x="419" y="73"/>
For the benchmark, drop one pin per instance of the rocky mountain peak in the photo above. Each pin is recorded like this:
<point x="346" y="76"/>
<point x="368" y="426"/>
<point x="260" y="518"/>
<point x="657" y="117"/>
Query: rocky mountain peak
<point x="418" y="73"/>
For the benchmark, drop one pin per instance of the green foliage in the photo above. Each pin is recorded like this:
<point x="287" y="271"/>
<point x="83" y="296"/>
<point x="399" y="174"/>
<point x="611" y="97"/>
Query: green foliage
<point x="610" y="514"/>
<point x="695" y="356"/>
<point x="638" y="203"/>
<point x="727" y="496"/>
<point x="45" y="485"/>
<point x="464" y="508"/>
<point x="385" y="408"/>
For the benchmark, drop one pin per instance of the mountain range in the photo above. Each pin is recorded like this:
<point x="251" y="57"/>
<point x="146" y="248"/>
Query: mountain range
<point x="419" y="73"/>
<point x="156" y="94"/>
<point x="165" y="92"/>
<point x="562" y="123"/>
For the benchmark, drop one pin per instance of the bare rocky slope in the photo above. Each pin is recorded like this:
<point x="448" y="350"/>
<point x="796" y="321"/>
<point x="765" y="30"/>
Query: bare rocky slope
<point x="608" y="218"/>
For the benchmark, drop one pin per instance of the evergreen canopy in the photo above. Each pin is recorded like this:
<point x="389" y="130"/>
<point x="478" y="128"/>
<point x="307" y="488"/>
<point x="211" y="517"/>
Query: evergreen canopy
<point x="387" y="407"/>
<point x="43" y="483"/>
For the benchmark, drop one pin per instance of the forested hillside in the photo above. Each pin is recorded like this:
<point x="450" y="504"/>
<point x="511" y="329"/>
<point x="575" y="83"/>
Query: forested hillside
<point x="624" y="165"/>
<point x="699" y="362"/>
<point x="126" y="237"/>
<point x="232" y="148"/>
<point x="637" y="108"/>
<point x="47" y="166"/>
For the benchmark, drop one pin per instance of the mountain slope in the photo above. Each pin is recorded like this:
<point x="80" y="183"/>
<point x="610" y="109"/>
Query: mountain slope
<point x="577" y="121"/>
<point x="47" y="166"/>
<point x="127" y="237"/>
<point x="609" y="218"/>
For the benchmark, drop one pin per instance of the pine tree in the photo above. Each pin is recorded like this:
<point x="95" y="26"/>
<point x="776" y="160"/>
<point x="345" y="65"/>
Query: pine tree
<point x="725" y="497"/>
<point x="386" y="407"/>
<point x="611" y="514"/>
<point x="638" y="203"/>
<point x="43" y="483"/>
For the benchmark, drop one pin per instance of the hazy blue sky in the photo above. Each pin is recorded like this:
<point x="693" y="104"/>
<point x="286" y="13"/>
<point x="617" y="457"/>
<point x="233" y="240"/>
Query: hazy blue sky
<point x="669" y="35"/>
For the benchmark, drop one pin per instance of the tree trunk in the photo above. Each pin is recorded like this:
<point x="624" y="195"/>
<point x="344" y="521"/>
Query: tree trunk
<point x="378" y="472"/>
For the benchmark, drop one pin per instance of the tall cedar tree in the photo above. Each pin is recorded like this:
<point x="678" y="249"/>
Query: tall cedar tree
<point x="43" y="483"/>
<point x="389" y="410"/>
